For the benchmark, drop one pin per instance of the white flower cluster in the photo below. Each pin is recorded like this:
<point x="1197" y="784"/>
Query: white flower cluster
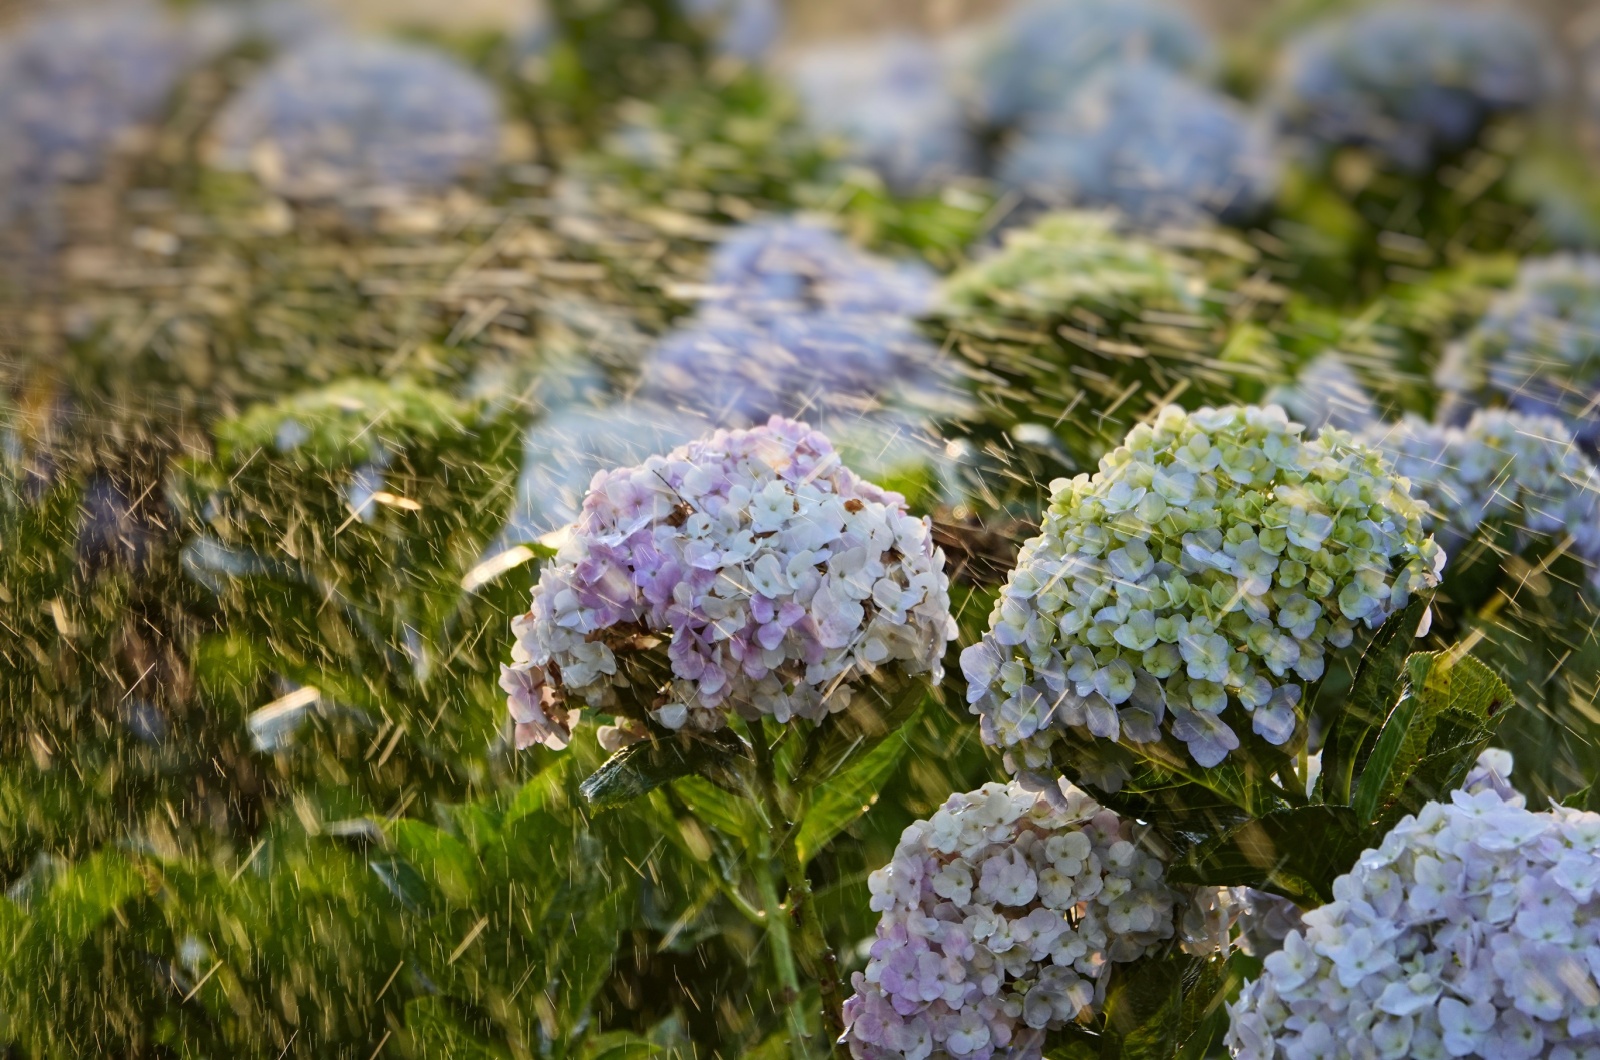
<point x="1472" y="931"/>
<point x="1001" y="914"/>
<point x="1502" y="465"/>
<point x="776" y="579"/>
<point x="1196" y="579"/>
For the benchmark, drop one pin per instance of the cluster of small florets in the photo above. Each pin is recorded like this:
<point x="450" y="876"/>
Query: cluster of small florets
<point x="341" y="116"/>
<point x="1470" y="931"/>
<point x="1413" y="81"/>
<point x="1037" y="56"/>
<point x="892" y="99"/>
<point x="1000" y="916"/>
<point x="1539" y="343"/>
<point x="1326" y="393"/>
<point x="1195" y="583"/>
<point x="1501" y="466"/>
<point x="767" y="576"/>
<point x="1152" y="143"/>
<point x="800" y="323"/>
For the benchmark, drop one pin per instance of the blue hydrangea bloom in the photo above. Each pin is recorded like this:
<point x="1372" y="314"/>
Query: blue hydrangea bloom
<point x="1413" y="81"/>
<point x="1039" y="55"/>
<point x="892" y="99"/>
<point x="1150" y="142"/>
<point x="779" y="267"/>
<point x="72" y="83"/>
<point x="1540" y="342"/>
<point x="340" y="116"/>
<point x="1326" y="393"/>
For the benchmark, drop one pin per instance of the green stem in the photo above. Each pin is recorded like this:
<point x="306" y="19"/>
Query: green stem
<point x="777" y="924"/>
<point x="815" y="953"/>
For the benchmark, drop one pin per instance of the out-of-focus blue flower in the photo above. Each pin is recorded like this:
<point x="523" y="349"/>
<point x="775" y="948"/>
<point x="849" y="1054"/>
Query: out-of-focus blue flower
<point x="780" y="267"/>
<point x="1039" y="55"/>
<point x="745" y="29"/>
<point x="72" y="83"/>
<point x="1326" y="393"/>
<point x="893" y="99"/>
<point x="1413" y="81"/>
<point x="341" y="116"/>
<point x="800" y="323"/>
<point x="1539" y="344"/>
<point x="1150" y="142"/>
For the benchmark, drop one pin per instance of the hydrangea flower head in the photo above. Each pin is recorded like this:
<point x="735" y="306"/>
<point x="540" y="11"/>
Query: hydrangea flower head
<point x="1326" y="393"/>
<point x="338" y="116"/>
<point x="1501" y="465"/>
<point x="1413" y="81"/>
<point x="750" y="569"/>
<point x="1539" y="343"/>
<point x="891" y="99"/>
<point x="1469" y="932"/>
<point x="1150" y="142"/>
<point x="1041" y="53"/>
<point x="1000" y="914"/>
<point x="1192" y="586"/>
<point x="72" y="82"/>
<point x="744" y="29"/>
<point x="784" y="266"/>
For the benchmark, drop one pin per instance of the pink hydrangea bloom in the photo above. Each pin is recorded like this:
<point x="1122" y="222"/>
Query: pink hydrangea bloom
<point x="747" y="571"/>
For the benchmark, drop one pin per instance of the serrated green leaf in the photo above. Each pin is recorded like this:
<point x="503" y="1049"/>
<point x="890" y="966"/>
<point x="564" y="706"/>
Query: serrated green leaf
<point x="837" y="802"/>
<point x="86" y="895"/>
<point x="1398" y="748"/>
<point x="1295" y="852"/>
<point x="644" y="766"/>
<point x="1369" y="704"/>
<point x="727" y="813"/>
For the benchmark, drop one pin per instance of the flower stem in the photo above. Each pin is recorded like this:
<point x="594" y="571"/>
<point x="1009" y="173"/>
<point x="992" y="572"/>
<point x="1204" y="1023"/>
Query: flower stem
<point x="815" y="954"/>
<point x="777" y="925"/>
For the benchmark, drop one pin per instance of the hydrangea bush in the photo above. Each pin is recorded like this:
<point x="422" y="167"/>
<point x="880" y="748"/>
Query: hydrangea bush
<point x="768" y="578"/>
<point x="1150" y="142"/>
<point x="1539" y="344"/>
<point x="1468" y="932"/>
<point x="1502" y="466"/>
<point x="1036" y="57"/>
<point x="1415" y="81"/>
<point x="340" y="117"/>
<point x="893" y="101"/>
<point x="1000" y="916"/>
<point x="1193" y="586"/>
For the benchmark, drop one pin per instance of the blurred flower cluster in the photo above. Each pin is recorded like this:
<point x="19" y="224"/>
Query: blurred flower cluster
<point x="1000" y="916"/>
<point x="1197" y="578"/>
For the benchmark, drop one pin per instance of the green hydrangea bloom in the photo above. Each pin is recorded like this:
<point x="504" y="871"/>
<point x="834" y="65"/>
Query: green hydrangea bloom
<point x="1194" y="584"/>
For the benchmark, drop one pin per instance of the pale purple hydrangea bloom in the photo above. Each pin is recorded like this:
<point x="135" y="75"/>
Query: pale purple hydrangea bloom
<point x="1502" y="465"/>
<point x="1194" y="584"/>
<point x="343" y="116"/>
<point x="798" y="322"/>
<point x="1472" y="931"/>
<point x="1001" y="915"/>
<point x="1326" y="393"/>
<point x="763" y="574"/>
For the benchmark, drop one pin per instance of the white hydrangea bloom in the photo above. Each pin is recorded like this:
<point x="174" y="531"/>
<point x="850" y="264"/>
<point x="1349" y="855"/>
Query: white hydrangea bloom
<point x="749" y="570"/>
<point x="1472" y="931"/>
<point x="1501" y="465"/>
<point x="1001" y="915"/>
<point x="1194" y="583"/>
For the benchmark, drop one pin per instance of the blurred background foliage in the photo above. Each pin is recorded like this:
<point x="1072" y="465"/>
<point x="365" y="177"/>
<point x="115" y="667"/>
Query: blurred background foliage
<point x="259" y="450"/>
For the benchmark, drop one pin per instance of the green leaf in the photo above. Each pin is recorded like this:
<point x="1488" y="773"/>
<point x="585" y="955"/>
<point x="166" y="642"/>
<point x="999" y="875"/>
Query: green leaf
<point x="1371" y="697"/>
<point x="620" y="1045"/>
<point x="1295" y="852"/>
<point x="432" y="1029"/>
<point x="1207" y="989"/>
<point x="86" y="895"/>
<point x="1143" y="1009"/>
<point x="727" y="813"/>
<point x="879" y="710"/>
<point x="839" y="801"/>
<point x="448" y="865"/>
<point x="1445" y="716"/>
<point x="542" y="792"/>
<point x="650" y="763"/>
